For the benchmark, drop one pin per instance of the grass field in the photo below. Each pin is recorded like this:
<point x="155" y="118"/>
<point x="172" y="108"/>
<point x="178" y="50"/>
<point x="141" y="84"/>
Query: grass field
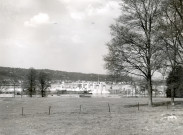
<point x="89" y="116"/>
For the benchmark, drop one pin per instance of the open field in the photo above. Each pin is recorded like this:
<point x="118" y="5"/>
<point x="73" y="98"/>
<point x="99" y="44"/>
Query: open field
<point x="93" y="118"/>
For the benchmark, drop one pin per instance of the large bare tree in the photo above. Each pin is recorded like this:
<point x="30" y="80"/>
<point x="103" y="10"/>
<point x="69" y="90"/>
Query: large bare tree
<point x="134" y="48"/>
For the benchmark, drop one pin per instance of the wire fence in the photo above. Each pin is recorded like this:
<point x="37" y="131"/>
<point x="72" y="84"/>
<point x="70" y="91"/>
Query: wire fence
<point x="12" y="107"/>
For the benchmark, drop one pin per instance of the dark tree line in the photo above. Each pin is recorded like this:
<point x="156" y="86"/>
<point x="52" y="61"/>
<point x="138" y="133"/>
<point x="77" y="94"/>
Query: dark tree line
<point x="20" y="74"/>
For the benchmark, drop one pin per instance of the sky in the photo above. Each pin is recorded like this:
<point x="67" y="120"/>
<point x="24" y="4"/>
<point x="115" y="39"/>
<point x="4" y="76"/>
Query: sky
<point x="66" y="35"/>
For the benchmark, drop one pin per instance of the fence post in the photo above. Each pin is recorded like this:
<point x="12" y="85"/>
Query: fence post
<point x="49" y="109"/>
<point x="138" y="106"/>
<point x="109" y="107"/>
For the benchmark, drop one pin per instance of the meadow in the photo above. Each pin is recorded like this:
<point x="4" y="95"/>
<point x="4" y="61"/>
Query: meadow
<point x="90" y="116"/>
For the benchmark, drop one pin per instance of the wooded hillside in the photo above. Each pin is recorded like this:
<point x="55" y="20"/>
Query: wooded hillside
<point x="20" y="74"/>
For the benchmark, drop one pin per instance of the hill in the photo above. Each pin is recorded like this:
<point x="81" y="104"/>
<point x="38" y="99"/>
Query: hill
<point x="7" y="73"/>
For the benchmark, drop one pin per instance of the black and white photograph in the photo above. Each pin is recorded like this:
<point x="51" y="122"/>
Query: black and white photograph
<point x="91" y="67"/>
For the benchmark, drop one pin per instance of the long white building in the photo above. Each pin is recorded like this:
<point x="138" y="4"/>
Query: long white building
<point x="93" y="87"/>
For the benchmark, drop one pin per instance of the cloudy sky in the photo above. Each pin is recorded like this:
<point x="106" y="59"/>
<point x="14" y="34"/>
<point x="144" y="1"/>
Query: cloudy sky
<point x="67" y="35"/>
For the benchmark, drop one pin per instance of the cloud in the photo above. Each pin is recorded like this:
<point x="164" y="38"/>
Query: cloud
<point x="41" y="18"/>
<point x="92" y="8"/>
<point x="77" y="15"/>
<point x="67" y="35"/>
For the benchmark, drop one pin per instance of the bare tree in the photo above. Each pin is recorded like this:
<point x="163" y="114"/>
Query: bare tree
<point x="44" y="82"/>
<point x="31" y="81"/>
<point x="170" y="33"/>
<point x="134" y="48"/>
<point x="174" y="13"/>
<point x="14" y="80"/>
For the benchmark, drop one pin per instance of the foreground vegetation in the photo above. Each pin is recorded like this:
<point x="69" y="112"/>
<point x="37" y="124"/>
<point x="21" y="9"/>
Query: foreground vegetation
<point x="90" y="116"/>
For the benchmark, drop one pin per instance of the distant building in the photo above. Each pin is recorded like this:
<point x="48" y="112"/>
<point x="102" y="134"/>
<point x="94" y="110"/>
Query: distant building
<point x="93" y="87"/>
<point x="68" y="87"/>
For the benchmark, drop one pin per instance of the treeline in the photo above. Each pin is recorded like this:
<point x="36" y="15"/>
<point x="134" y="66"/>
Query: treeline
<point x="8" y="73"/>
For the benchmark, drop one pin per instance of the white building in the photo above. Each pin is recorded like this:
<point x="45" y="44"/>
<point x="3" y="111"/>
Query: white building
<point x="93" y="87"/>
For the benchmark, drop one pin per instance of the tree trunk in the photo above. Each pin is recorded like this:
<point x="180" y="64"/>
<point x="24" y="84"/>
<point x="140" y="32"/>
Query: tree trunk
<point x="149" y="76"/>
<point x="31" y="93"/>
<point x="149" y="86"/>
<point x="31" y="88"/>
<point x="150" y="103"/>
<point x="172" y="96"/>
<point x="42" y="90"/>
<point x="42" y="93"/>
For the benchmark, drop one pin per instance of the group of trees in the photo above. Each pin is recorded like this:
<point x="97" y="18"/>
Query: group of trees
<point x="147" y="38"/>
<point x="175" y="79"/>
<point x="36" y="81"/>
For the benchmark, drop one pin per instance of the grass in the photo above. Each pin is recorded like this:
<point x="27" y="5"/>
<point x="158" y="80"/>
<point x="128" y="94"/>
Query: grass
<point x="93" y="118"/>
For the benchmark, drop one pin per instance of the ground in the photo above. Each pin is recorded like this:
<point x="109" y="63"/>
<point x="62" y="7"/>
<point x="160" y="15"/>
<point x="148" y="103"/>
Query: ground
<point x="89" y="116"/>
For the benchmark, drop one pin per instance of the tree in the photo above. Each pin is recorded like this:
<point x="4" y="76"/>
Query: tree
<point x="174" y="12"/>
<point x="170" y="33"/>
<point x="31" y="81"/>
<point x="44" y="82"/>
<point x="174" y="81"/>
<point x="14" y="79"/>
<point x="134" y="48"/>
